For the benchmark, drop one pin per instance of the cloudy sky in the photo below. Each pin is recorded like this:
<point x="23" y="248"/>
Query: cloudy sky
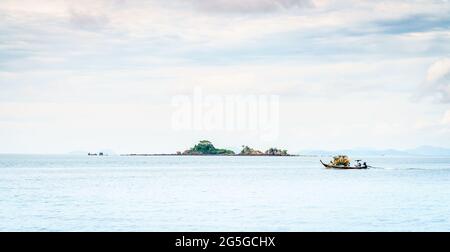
<point x="93" y="74"/>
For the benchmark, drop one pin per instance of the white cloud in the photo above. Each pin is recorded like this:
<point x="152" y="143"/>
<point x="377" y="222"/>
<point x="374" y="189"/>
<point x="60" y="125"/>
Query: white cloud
<point x="88" y="21"/>
<point x="437" y="82"/>
<point x="446" y="119"/>
<point x="250" y="6"/>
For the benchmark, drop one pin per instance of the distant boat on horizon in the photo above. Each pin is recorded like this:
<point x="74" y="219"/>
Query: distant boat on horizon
<point x="96" y="154"/>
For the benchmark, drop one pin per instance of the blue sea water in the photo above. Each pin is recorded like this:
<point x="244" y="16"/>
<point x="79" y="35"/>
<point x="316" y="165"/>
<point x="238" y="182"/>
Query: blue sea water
<point x="182" y="193"/>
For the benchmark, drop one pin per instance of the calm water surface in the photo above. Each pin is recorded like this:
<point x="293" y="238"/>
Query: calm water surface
<point x="81" y="193"/>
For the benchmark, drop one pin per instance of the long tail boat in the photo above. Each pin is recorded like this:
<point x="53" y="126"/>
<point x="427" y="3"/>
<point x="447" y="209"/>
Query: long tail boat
<point x="342" y="166"/>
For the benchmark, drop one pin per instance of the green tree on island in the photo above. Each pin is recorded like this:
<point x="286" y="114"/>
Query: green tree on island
<point x="205" y="147"/>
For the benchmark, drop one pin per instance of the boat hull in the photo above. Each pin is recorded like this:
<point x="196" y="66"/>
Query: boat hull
<point x="343" y="167"/>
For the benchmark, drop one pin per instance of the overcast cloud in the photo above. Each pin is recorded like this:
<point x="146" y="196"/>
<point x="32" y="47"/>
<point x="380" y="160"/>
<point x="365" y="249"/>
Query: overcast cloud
<point x="60" y="59"/>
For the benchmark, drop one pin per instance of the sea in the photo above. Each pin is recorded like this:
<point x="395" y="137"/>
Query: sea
<point x="220" y="193"/>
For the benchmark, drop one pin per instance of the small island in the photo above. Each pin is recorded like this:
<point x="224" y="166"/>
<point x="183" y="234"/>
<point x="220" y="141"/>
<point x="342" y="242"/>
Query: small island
<point x="247" y="151"/>
<point x="206" y="148"/>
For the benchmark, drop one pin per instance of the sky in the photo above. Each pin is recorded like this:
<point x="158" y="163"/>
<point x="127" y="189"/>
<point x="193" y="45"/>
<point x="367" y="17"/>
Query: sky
<point x="94" y="75"/>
